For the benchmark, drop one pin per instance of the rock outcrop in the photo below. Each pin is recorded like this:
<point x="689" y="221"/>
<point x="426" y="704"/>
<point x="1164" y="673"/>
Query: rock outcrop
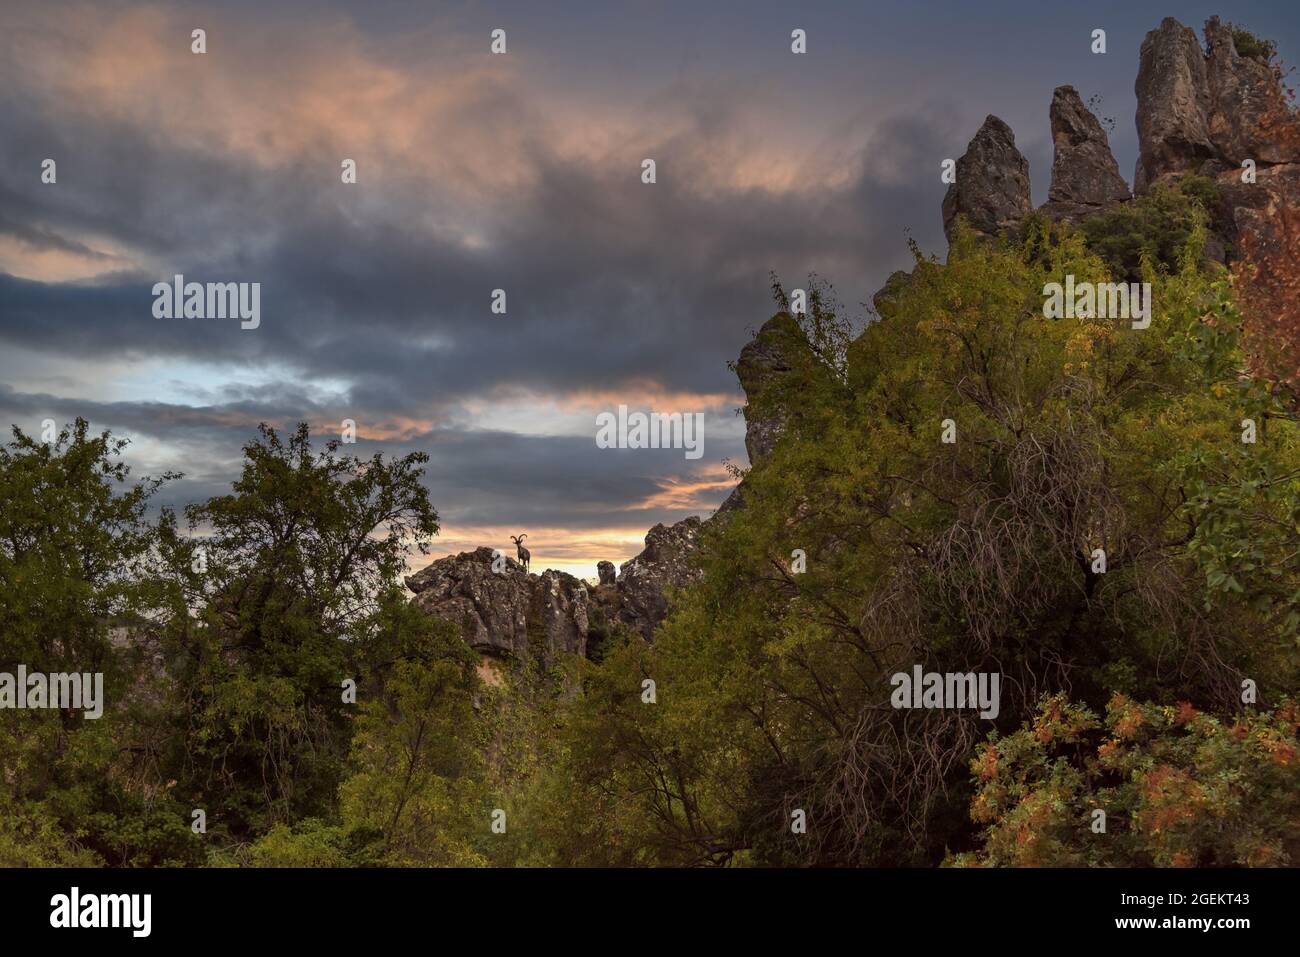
<point x="510" y="612"/>
<point x="992" y="188"/>
<point x="507" y="612"/>
<point x="504" y="613"/>
<point x="1173" y="99"/>
<point x="1202" y="110"/>
<point x="1085" y="176"/>
<point x="1249" y="116"/>
<point x="1208" y="112"/>
<point x="763" y="360"/>
<point x="639" y="598"/>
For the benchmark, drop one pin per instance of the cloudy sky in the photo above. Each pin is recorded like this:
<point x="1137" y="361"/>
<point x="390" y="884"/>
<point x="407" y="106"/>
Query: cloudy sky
<point x="477" y="171"/>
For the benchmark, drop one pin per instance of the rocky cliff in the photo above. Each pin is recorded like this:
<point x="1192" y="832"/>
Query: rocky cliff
<point x="1202" y="109"/>
<point x="508" y="611"/>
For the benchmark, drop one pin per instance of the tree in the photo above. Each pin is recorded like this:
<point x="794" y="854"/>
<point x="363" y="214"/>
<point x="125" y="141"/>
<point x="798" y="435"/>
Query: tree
<point x="82" y="590"/>
<point x="1156" y="226"/>
<point x="416" y="787"/>
<point x="980" y="555"/>
<point x="288" y="572"/>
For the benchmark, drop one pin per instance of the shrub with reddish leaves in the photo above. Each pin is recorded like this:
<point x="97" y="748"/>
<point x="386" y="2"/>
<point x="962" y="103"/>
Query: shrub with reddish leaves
<point x="1179" y="788"/>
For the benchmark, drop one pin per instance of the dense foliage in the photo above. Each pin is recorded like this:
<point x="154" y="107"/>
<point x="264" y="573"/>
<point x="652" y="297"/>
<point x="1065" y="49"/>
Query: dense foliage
<point x="770" y="702"/>
<point x="1154" y="226"/>
<point x="1176" y="788"/>
<point x="774" y="693"/>
<point x="1249" y="45"/>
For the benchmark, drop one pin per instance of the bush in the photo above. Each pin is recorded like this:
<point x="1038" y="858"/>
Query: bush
<point x="1249" y="45"/>
<point x="1179" y="788"/>
<point x="1155" y="226"/>
<point x="309" y="843"/>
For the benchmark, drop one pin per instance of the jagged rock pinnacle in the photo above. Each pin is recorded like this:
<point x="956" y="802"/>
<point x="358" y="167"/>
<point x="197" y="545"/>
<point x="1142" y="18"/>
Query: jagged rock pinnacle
<point x="992" y="188"/>
<point x="1085" y="176"/>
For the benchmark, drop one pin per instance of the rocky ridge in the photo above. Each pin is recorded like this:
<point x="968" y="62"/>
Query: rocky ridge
<point x="507" y="612"/>
<point x="1204" y="110"/>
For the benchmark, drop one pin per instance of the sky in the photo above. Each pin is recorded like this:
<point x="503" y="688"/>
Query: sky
<point x="478" y="171"/>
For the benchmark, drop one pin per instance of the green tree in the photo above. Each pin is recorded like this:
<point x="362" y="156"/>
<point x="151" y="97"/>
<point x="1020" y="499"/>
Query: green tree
<point x="287" y="572"/>
<point x="82" y="590"/>
<point x="416" y="792"/>
<point x="1072" y="435"/>
<point x="1155" y="226"/>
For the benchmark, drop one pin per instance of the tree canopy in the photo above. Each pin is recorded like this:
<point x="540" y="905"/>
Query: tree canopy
<point x="1107" y="517"/>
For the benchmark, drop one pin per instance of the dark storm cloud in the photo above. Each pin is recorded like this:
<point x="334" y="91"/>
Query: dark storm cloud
<point x="479" y="477"/>
<point x="477" y="173"/>
<point x="606" y="278"/>
<point x="385" y="286"/>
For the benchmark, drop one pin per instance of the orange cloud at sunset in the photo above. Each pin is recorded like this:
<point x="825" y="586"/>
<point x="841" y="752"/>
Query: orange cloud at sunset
<point x="645" y="393"/>
<point x="428" y="106"/>
<point x="50" y="262"/>
<point x="391" y="428"/>
<point x="689" y="493"/>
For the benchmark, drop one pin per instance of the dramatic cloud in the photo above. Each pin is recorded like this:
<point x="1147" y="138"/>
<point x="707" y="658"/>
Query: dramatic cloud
<point x="476" y="172"/>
